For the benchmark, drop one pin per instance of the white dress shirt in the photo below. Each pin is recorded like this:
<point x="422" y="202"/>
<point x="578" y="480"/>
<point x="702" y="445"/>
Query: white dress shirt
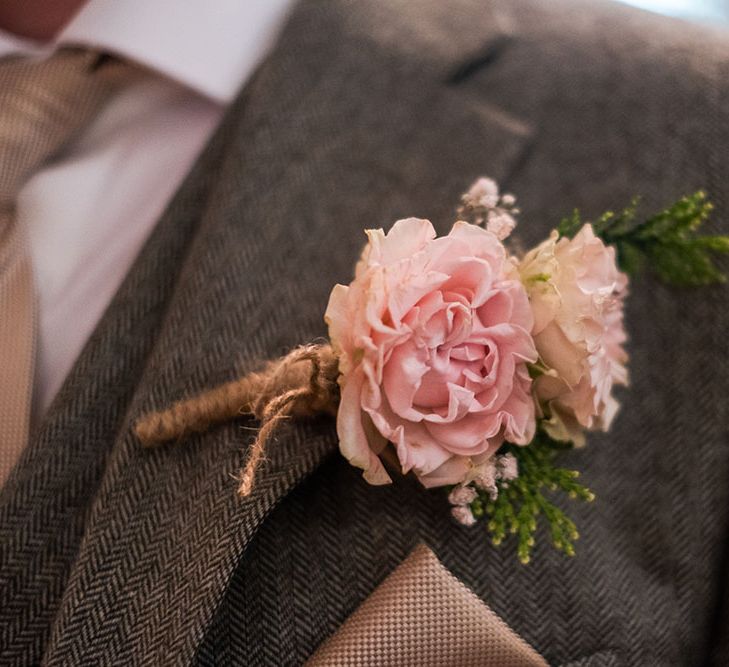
<point x="89" y="211"/>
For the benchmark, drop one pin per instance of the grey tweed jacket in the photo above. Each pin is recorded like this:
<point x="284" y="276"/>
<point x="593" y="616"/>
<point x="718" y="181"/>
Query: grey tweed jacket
<point x="364" y="113"/>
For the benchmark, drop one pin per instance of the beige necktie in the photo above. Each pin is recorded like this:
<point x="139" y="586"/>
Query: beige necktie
<point x="42" y="104"/>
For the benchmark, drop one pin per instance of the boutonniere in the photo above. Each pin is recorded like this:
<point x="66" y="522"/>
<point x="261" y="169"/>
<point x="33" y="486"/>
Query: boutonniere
<point x="468" y="364"/>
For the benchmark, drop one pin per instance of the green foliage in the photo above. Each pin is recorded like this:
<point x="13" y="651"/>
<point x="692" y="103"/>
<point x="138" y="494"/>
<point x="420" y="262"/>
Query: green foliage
<point x="521" y="502"/>
<point x="570" y="225"/>
<point x="667" y="244"/>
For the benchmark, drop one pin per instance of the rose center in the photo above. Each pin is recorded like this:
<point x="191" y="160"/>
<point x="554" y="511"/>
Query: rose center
<point x="462" y="365"/>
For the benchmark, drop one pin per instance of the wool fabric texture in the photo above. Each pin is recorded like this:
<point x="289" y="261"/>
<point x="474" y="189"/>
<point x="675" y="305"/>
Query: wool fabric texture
<point x="115" y="554"/>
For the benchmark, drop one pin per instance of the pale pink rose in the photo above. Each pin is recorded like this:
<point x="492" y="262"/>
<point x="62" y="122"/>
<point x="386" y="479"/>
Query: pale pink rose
<point x="433" y="343"/>
<point x="577" y="294"/>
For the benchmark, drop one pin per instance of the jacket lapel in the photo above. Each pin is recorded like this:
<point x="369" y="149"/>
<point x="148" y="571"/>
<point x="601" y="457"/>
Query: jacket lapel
<point x="359" y="117"/>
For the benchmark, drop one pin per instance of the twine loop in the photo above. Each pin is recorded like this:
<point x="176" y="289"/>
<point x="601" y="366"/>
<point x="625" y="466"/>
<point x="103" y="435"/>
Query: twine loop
<point x="301" y="384"/>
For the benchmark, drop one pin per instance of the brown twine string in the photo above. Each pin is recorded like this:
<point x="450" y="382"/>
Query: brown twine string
<point x="301" y="384"/>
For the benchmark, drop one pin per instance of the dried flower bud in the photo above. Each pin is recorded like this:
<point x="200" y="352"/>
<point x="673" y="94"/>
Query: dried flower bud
<point x="507" y="467"/>
<point x="484" y="192"/>
<point x="483" y="206"/>
<point x="500" y="223"/>
<point x="464" y="515"/>
<point x="462" y="495"/>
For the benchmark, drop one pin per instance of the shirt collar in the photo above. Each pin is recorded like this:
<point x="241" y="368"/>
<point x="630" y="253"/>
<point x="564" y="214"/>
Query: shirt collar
<point x="212" y="47"/>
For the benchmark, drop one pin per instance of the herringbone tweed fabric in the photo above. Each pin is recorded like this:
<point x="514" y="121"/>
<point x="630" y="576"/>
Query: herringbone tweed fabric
<point x="366" y="112"/>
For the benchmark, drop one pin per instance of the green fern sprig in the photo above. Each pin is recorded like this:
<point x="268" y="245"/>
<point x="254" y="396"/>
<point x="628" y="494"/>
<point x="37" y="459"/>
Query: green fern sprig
<point x="522" y="502"/>
<point x="668" y="244"/>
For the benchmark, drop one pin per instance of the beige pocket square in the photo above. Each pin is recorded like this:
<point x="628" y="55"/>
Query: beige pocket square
<point x="421" y="615"/>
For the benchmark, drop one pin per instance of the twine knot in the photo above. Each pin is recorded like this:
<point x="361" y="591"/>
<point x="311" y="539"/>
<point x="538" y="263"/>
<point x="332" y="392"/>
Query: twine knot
<point x="301" y="384"/>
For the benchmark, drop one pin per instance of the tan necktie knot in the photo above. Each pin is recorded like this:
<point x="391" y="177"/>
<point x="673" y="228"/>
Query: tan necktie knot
<point x="43" y="103"/>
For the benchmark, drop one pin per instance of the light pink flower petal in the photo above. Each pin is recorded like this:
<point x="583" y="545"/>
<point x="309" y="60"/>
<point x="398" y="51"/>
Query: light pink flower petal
<point x="353" y="441"/>
<point x="518" y="415"/>
<point x="405" y="238"/>
<point x="338" y="319"/>
<point x="561" y="354"/>
<point x="417" y="450"/>
<point x="453" y="471"/>
<point x="473" y="274"/>
<point x="482" y="243"/>
<point x="375" y="308"/>
<point x="405" y="291"/>
<point x="469" y="436"/>
<point x="521" y="310"/>
<point x="460" y="401"/>
<point x="402" y="376"/>
<point x="418" y="447"/>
